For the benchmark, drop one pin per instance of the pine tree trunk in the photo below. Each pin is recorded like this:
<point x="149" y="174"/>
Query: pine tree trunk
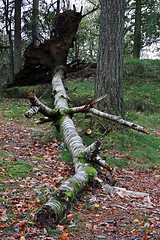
<point x="110" y="56"/>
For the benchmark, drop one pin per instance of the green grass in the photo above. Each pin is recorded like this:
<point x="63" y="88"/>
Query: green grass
<point x="81" y="90"/>
<point x="17" y="168"/>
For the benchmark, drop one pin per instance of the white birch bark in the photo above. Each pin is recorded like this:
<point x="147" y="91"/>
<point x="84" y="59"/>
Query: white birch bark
<point x="57" y="205"/>
<point x="52" y="211"/>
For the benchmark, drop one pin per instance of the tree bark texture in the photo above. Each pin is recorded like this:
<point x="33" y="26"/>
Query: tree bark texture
<point x="17" y="36"/>
<point x="9" y="33"/>
<point x="57" y="205"/>
<point x="41" y="61"/>
<point x="35" y="21"/>
<point x="110" y="56"/>
<point x="137" y="30"/>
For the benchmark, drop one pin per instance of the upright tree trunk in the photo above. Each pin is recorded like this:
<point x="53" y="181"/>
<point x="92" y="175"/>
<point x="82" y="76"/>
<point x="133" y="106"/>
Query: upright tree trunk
<point x="35" y="29"/>
<point x="137" y="30"/>
<point x="110" y="56"/>
<point x="9" y="33"/>
<point x="17" y="36"/>
<point x="58" y="6"/>
<point x="11" y="60"/>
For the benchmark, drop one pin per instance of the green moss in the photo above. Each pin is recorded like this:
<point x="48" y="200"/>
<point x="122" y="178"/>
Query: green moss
<point x="55" y="111"/>
<point x="91" y="173"/>
<point x="76" y="185"/>
<point x="67" y="111"/>
<point x="82" y="158"/>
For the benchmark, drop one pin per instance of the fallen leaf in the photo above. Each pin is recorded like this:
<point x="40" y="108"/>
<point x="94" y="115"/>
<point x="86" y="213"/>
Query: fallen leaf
<point x="96" y="205"/>
<point x="146" y="225"/>
<point x="95" y="228"/>
<point x="135" y="220"/>
<point x="89" y="226"/>
<point x="4" y="218"/>
<point x="70" y="217"/>
<point x="60" y="227"/>
<point x="64" y="236"/>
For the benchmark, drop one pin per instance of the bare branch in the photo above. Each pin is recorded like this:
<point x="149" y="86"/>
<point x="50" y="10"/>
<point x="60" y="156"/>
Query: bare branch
<point x="43" y="120"/>
<point x="100" y="98"/>
<point x="32" y="111"/>
<point x="119" y="120"/>
<point x="89" y="12"/>
<point x="37" y="106"/>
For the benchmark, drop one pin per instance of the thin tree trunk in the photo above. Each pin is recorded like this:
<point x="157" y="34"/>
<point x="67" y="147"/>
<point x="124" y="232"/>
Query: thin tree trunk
<point x="137" y="31"/>
<point x="110" y="56"/>
<point x="17" y="36"/>
<point x="11" y="55"/>
<point x="9" y="33"/>
<point x="35" y="27"/>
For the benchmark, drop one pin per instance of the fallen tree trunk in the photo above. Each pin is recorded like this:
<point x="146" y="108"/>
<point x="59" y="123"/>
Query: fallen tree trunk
<point x="83" y="157"/>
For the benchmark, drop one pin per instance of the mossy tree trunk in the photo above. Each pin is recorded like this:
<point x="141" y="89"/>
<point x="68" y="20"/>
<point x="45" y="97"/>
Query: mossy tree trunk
<point x="83" y="157"/>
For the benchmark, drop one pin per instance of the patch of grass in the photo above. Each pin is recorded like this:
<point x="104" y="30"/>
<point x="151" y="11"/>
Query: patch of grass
<point x="53" y="231"/>
<point x="22" y="91"/>
<point x="17" y="168"/>
<point x="133" y="147"/>
<point x="80" y="91"/>
<point x="142" y="84"/>
<point x="65" y="155"/>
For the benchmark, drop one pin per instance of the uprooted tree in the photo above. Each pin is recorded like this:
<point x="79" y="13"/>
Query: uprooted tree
<point x="51" y="56"/>
<point x="83" y="157"/>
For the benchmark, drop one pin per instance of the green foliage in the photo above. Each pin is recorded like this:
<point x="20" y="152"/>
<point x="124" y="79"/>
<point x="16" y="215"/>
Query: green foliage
<point x="150" y="28"/>
<point x="86" y="44"/>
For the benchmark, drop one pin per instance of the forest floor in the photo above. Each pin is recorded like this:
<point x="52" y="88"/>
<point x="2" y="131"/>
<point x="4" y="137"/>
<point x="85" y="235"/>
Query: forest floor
<point x="31" y="168"/>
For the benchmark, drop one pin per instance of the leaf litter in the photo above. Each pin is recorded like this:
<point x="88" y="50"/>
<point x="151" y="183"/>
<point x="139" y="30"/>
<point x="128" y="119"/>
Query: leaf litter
<point x="93" y="215"/>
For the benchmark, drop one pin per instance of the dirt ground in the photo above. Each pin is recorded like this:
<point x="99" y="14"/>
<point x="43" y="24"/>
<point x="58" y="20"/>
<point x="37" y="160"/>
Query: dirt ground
<point x="94" y="214"/>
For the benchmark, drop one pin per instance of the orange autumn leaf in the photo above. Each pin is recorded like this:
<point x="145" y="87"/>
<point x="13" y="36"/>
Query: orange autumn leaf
<point x="23" y="225"/>
<point x="64" y="236"/>
<point x="96" y="205"/>
<point x="70" y="217"/>
<point x="95" y="228"/>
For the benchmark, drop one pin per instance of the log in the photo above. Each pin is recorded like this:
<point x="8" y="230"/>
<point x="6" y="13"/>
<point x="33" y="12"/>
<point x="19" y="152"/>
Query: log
<point x="83" y="157"/>
<point x="55" y="209"/>
<point x="122" y="192"/>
